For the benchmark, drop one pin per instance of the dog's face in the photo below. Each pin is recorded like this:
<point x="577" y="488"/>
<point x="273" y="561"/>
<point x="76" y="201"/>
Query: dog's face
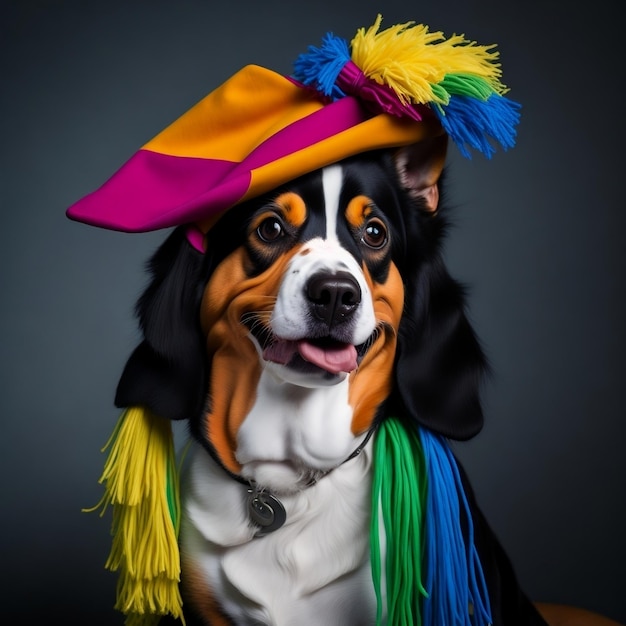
<point x="310" y="299"/>
<point x="313" y="306"/>
<point x="307" y="288"/>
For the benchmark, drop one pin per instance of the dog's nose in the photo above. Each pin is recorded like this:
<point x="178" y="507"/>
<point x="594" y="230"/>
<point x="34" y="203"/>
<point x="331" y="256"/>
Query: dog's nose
<point x="333" y="297"/>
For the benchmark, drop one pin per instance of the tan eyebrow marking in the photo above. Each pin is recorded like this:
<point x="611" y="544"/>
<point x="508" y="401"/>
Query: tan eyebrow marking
<point x="358" y="209"/>
<point x="292" y="207"/>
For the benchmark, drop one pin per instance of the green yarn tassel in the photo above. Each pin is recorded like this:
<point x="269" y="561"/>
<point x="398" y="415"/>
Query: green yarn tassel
<point x="399" y="493"/>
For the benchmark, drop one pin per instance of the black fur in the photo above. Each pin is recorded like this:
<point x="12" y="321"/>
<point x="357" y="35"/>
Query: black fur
<point x="167" y="371"/>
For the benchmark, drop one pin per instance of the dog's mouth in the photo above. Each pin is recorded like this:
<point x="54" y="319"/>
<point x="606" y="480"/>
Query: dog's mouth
<point x="308" y="355"/>
<point x="326" y="354"/>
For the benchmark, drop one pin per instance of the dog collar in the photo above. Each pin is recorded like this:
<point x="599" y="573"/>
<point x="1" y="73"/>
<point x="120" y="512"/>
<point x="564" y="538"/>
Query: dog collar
<point x="266" y="511"/>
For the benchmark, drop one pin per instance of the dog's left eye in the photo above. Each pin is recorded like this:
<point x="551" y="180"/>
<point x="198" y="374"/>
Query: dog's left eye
<point x="270" y="229"/>
<point x="374" y="234"/>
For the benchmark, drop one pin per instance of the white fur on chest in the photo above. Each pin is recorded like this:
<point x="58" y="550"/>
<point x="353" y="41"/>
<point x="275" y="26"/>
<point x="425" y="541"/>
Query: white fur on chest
<point x="291" y="430"/>
<point x="313" y="570"/>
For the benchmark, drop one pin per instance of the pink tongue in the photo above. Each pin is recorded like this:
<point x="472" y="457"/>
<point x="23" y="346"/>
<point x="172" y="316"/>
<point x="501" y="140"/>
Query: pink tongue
<point x="340" y="358"/>
<point x="335" y="359"/>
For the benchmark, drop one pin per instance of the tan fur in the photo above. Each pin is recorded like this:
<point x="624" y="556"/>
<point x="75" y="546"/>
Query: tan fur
<point x="562" y="615"/>
<point x="370" y="384"/>
<point x="235" y="367"/>
<point x="197" y="591"/>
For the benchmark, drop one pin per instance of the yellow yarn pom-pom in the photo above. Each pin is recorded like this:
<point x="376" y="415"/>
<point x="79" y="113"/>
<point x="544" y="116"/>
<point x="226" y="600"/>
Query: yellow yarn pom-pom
<point x="412" y="60"/>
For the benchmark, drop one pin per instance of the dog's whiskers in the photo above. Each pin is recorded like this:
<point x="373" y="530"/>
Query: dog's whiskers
<point x="257" y="322"/>
<point x="255" y="318"/>
<point x="380" y="329"/>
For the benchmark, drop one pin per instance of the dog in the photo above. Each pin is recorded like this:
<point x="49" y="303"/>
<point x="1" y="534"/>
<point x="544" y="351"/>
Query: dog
<point x="319" y="309"/>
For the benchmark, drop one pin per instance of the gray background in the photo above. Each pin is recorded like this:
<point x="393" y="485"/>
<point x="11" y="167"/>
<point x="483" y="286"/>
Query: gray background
<point x="539" y="239"/>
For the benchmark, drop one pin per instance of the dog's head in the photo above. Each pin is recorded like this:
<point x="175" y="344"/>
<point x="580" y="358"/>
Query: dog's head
<point x="317" y="309"/>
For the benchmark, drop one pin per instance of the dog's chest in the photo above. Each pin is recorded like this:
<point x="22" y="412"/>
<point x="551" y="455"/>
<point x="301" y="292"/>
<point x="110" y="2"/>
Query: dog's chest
<point x="313" y="570"/>
<point x="289" y="427"/>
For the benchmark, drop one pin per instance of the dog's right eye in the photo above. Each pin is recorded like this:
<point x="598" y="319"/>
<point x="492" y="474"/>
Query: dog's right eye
<point x="270" y="229"/>
<point x="374" y="234"/>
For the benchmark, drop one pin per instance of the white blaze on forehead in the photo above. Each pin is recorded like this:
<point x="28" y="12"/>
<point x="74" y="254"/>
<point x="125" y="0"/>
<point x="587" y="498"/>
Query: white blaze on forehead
<point x="332" y="179"/>
<point x="291" y="315"/>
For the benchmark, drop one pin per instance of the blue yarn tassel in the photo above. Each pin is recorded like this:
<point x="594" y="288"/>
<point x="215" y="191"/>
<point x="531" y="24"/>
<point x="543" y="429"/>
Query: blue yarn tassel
<point x="454" y="578"/>
<point x="470" y="122"/>
<point x="319" y="67"/>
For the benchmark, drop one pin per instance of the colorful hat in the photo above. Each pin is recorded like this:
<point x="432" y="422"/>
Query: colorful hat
<point x="260" y="129"/>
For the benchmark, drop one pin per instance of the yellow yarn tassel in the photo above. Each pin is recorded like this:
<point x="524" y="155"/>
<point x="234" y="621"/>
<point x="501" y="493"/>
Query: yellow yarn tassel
<point x="141" y="483"/>
<point x="410" y="59"/>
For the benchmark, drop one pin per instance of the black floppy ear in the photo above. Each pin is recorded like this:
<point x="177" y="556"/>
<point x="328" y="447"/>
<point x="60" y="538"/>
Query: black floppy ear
<point x="440" y="365"/>
<point x="166" y="372"/>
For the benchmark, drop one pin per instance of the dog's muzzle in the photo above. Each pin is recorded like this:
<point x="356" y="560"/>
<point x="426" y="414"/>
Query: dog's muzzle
<point x="322" y="326"/>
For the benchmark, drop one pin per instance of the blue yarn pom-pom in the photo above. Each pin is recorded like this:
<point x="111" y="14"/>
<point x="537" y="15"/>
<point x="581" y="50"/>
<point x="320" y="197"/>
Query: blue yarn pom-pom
<point x="471" y="122"/>
<point x="320" y="67"/>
